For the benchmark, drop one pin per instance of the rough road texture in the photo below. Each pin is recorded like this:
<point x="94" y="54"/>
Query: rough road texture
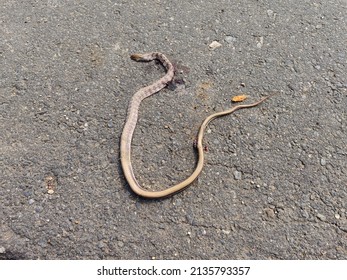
<point x="274" y="183"/>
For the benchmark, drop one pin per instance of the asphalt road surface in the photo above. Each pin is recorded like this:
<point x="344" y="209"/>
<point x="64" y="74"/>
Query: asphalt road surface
<point x="274" y="185"/>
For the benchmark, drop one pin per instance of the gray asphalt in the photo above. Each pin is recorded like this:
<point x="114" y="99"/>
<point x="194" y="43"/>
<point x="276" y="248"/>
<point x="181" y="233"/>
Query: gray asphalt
<point x="274" y="182"/>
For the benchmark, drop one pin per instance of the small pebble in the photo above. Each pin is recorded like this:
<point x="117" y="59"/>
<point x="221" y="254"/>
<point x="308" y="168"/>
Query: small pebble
<point x="323" y="161"/>
<point x="270" y="213"/>
<point x="305" y="214"/>
<point x="2" y="250"/>
<point x="178" y="202"/>
<point x="260" y="42"/>
<point x="214" y="45"/>
<point x="42" y="243"/>
<point x="337" y="216"/>
<point x="27" y="193"/>
<point x="50" y="191"/>
<point x="31" y="201"/>
<point x="270" y="13"/>
<point x="110" y="124"/>
<point x="230" y="39"/>
<point x="233" y="194"/>
<point x="321" y="217"/>
<point x="38" y="209"/>
<point x="237" y="175"/>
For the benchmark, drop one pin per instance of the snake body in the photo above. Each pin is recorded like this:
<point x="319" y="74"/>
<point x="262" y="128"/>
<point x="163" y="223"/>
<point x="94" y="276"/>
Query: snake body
<point x="130" y="124"/>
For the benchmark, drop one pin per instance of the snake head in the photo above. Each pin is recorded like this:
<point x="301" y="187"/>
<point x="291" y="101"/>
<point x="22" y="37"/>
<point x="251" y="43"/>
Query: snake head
<point x="144" y="57"/>
<point x="136" y="57"/>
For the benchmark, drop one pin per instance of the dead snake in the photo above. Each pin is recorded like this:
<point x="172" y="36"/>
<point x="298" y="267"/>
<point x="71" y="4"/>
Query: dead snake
<point x="130" y="124"/>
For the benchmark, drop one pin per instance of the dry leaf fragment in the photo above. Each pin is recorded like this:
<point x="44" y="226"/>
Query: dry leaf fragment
<point x="239" y="98"/>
